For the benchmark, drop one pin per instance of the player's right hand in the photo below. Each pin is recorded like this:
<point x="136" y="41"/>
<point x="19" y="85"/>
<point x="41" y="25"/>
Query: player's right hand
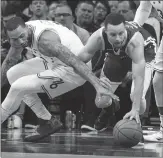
<point x="133" y="114"/>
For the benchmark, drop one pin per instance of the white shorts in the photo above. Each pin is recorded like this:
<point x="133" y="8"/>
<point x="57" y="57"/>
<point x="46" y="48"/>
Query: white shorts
<point x="159" y="58"/>
<point x="114" y="85"/>
<point x="60" y="80"/>
<point x="36" y="77"/>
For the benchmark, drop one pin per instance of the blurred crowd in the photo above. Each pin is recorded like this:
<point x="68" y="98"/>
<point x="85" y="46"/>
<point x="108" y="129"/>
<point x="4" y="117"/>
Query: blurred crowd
<point x="83" y="18"/>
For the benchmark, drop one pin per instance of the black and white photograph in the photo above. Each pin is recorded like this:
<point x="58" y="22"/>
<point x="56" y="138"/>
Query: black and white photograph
<point x="81" y="79"/>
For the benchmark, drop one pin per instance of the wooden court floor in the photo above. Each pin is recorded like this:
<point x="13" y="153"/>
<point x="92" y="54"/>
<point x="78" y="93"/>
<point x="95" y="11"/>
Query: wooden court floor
<point x="73" y="144"/>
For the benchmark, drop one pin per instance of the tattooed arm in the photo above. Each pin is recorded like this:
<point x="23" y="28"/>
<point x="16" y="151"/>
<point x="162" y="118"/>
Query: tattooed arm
<point x="12" y="58"/>
<point x="49" y="44"/>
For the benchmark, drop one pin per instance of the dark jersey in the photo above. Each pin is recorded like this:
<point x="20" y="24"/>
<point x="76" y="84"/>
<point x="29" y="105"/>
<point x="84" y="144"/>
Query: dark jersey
<point x="117" y="64"/>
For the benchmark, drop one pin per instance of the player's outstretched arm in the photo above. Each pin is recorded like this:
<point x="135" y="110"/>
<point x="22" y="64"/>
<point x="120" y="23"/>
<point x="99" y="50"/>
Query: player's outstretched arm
<point x="135" y="50"/>
<point x="12" y="58"/>
<point x="50" y="45"/>
<point x="143" y="12"/>
<point x="93" y="45"/>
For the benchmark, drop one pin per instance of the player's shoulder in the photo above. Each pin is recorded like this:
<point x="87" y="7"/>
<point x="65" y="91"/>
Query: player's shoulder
<point x="137" y="39"/>
<point x="81" y="30"/>
<point x="132" y="25"/>
<point x="98" y="34"/>
<point x="32" y="22"/>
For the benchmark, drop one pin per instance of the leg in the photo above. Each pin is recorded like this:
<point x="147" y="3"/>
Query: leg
<point x="158" y="90"/>
<point x="106" y="114"/>
<point x="24" y="85"/>
<point x="28" y="68"/>
<point x="17" y="91"/>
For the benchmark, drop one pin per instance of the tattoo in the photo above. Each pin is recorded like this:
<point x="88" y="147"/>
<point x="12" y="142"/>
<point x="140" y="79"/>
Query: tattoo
<point x="66" y="56"/>
<point x="10" y="60"/>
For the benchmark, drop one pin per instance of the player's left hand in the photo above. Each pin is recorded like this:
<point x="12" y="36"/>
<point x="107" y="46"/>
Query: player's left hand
<point x="106" y="92"/>
<point x="133" y="114"/>
<point x="106" y="83"/>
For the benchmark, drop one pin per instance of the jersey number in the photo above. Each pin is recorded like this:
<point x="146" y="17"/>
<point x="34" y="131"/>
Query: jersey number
<point x="56" y="83"/>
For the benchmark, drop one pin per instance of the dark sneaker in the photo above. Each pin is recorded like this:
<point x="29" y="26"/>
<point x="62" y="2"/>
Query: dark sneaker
<point x="107" y="117"/>
<point x="89" y="125"/>
<point x="45" y="129"/>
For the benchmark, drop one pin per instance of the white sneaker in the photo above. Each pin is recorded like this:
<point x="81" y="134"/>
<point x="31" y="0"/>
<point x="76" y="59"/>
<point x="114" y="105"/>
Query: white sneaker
<point x="155" y="137"/>
<point x="14" y="121"/>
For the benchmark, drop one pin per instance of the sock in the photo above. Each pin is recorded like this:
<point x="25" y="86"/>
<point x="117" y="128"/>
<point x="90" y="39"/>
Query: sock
<point x="4" y="115"/>
<point x="160" y="109"/>
<point x="35" y="103"/>
<point x="161" y="119"/>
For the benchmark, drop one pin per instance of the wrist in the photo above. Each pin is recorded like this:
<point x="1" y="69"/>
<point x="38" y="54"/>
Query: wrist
<point x="135" y="109"/>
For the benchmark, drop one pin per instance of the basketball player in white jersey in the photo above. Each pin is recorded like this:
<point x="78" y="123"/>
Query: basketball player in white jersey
<point x="142" y="14"/>
<point x="55" y="69"/>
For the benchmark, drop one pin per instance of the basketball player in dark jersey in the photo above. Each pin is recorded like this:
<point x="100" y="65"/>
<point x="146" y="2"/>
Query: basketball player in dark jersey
<point x="123" y="43"/>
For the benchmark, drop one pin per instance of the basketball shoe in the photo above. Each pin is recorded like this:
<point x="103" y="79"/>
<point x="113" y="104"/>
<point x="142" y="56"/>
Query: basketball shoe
<point x="155" y="137"/>
<point x="46" y="128"/>
<point x="107" y="117"/>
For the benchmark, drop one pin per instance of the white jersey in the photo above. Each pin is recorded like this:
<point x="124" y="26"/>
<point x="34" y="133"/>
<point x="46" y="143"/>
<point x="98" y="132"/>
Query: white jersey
<point x="158" y="5"/>
<point x="68" y="38"/>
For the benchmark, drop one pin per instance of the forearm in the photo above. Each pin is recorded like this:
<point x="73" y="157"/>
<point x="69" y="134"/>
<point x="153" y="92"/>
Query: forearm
<point x="83" y="70"/>
<point x="143" y="12"/>
<point x="11" y="59"/>
<point x="67" y="57"/>
<point x="139" y="85"/>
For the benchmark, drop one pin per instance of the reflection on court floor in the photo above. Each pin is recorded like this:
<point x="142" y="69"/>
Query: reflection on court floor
<point x="73" y="144"/>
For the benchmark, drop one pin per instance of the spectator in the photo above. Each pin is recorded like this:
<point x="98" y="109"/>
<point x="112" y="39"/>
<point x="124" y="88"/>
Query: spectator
<point x="113" y="5"/>
<point x="100" y="11"/>
<point x="63" y="15"/>
<point x="52" y="8"/>
<point x="84" y="15"/>
<point x="39" y="10"/>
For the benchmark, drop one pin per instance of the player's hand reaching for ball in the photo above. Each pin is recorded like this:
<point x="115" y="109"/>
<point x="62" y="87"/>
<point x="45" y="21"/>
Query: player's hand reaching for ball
<point x="133" y="114"/>
<point x="104" y="97"/>
<point x="106" y="83"/>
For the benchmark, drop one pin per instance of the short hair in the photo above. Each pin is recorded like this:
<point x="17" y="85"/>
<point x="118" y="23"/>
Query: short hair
<point x="14" y="23"/>
<point x="85" y="1"/>
<point x="46" y="1"/>
<point x="132" y="4"/>
<point x="114" y="19"/>
<point x="59" y="5"/>
<point x="104" y="3"/>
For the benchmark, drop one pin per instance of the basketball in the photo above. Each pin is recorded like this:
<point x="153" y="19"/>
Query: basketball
<point x="127" y="133"/>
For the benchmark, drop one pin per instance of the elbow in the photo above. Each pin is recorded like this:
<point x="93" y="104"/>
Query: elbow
<point x="84" y="57"/>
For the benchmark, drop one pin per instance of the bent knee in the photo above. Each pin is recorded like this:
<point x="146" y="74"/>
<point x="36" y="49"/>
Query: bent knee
<point x="12" y="75"/>
<point x="17" y="87"/>
<point x="15" y="90"/>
